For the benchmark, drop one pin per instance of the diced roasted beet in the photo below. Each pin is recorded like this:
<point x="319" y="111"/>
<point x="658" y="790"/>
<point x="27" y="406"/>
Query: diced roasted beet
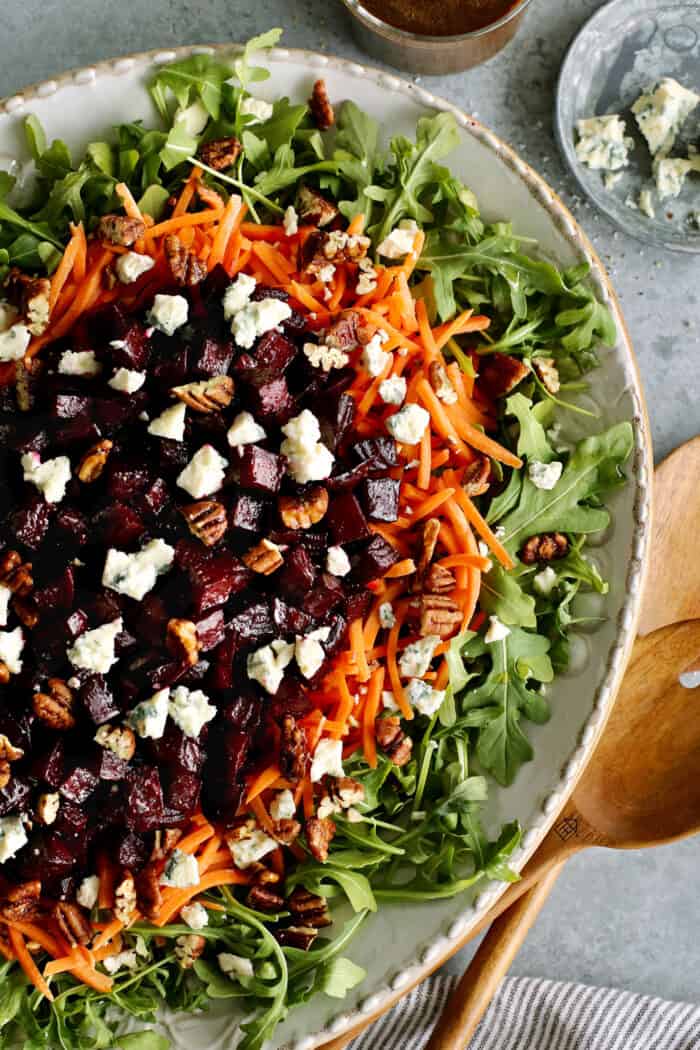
<point x="29" y="523"/>
<point x="289" y="619"/>
<point x="14" y="796"/>
<point x="336" y="638"/>
<point x="210" y="630"/>
<point x="177" y="750"/>
<point x="271" y="402"/>
<point x="182" y="793"/>
<point x="253" y="625"/>
<point x="260" y="469"/>
<point x="243" y="711"/>
<point x="274" y="353"/>
<point x="235" y="751"/>
<point x="222" y="662"/>
<point x="144" y="800"/>
<point x="349" y="479"/>
<point x="346" y="520"/>
<point x="119" y="526"/>
<point x="57" y="595"/>
<point x="195" y="675"/>
<point x="16" y="723"/>
<point x="290" y="699"/>
<point x="171" y="456"/>
<point x="357" y="603"/>
<point x="71" y="821"/>
<point x="379" y="451"/>
<point x="166" y="672"/>
<point x="98" y="700"/>
<point x="298" y="574"/>
<point x="172" y="370"/>
<point x="153" y="499"/>
<point x="79" y="785"/>
<point x="77" y="431"/>
<point x="248" y="512"/>
<point x="76" y="624"/>
<point x="110" y="767"/>
<point x="325" y="595"/>
<point x="50" y="858"/>
<point x="114" y="326"/>
<point x="102" y="606"/>
<point x="71" y="406"/>
<point x="380" y="498"/>
<point x="124" y="479"/>
<point x="211" y="356"/>
<point x="132" y="852"/>
<point x="377" y="557"/>
<point x="26" y="435"/>
<point x="72" y="526"/>
<point x="344" y="418"/>
<point x="216" y="579"/>
<point x="49" y="766"/>
<point x="115" y="412"/>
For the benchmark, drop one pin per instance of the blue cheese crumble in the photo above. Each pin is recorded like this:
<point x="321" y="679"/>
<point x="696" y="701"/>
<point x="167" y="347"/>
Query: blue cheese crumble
<point x="181" y="870"/>
<point x="135" y="574"/>
<point x="416" y="657"/>
<point x="661" y="111"/>
<point x="602" y="143"/>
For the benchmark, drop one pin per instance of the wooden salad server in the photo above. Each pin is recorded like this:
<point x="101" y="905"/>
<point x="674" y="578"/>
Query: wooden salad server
<point x="641" y="787"/>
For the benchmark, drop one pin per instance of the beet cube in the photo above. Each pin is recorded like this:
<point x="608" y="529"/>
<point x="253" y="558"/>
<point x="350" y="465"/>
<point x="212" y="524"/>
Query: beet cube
<point x="379" y="451"/>
<point x="71" y="406"/>
<point x="132" y="852"/>
<point x="349" y="479"/>
<point x="344" y="418"/>
<point x="298" y="574"/>
<point x="357" y="603"/>
<point x="182" y="794"/>
<point x="380" y="498"/>
<point x="216" y="579"/>
<point x="271" y="401"/>
<point x="377" y="557"/>
<point x="260" y="469"/>
<point x="98" y="700"/>
<point x="57" y="595"/>
<point x="14" y="797"/>
<point x="72" y="820"/>
<point x="79" y="785"/>
<point x="50" y="765"/>
<point x="172" y="370"/>
<point x="210" y="630"/>
<point x="30" y="522"/>
<point x="114" y="326"/>
<point x="243" y="712"/>
<point x="325" y="595"/>
<point x="144" y="800"/>
<point x="72" y="526"/>
<point x="17" y="726"/>
<point x="289" y="619"/>
<point x="212" y="356"/>
<point x="247" y="512"/>
<point x="346" y="520"/>
<point x="50" y="859"/>
<point x="274" y="353"/>
<point x="222" y="665"/>
<point x="119" y="526"/>
<point x="336" y="638"/>
<point x="75" y="431"/>
<point x="253" y="625"/>
<point x="76" y="624"/>
<point x="166" y="672"/>
<point x="177" y="750"/>
<point x="110" y="767"/>
<point x="124" y="480"/>
<point x="154" y="498"/>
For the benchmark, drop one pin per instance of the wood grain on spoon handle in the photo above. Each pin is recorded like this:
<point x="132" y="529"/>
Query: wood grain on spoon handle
<point x="479" y="983"/>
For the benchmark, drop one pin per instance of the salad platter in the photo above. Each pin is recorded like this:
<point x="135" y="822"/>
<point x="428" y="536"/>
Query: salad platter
<point x="325" y="509"/>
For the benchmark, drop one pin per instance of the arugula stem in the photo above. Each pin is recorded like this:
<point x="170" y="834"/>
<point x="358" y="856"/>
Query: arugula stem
<point x="238" y="184"/>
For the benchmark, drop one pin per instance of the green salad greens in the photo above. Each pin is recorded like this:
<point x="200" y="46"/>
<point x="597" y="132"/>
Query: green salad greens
<point x="418" y="836"/>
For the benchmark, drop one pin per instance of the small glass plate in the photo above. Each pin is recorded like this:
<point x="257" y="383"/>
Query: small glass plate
<point x="627" y="45"/>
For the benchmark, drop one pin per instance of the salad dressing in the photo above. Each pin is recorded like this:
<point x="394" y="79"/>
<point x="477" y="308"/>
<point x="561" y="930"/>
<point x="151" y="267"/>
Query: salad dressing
<point x="439" y="17"/>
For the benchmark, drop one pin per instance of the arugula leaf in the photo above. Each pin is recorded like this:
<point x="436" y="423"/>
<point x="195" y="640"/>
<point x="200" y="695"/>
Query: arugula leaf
<point x="34" y="134"/>
<point x="339" y="976"/>
<point x="197" y="77"/>
<point x="146" y="1040"/>
<point x="355" y="886"/>
<point x="593" y="469"/>
<point x="152" y="202"/>
<point x="508" y="499"/>
<point x="356" y="153"/>
<point x="39" y="230"/>
<point x="178" y="147"/>
<point x="101" y="155"/>
<point x="502" y="596"/>
<point x="246" y="73"/>
<point x="532" y="440"/>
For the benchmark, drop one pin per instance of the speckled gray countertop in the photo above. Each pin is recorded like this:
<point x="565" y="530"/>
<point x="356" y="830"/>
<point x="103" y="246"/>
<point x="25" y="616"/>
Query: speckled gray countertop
<point x="630" y="919"/>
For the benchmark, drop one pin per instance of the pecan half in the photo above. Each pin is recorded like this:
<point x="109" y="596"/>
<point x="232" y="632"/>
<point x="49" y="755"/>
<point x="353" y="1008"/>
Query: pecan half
<point x="26" y="612"/>
<point x="31" y="296"/>
<point x="220" y="154"/>
<point x="47" y="807"/>
<point x="148" y="893"/>
<point x="72" y="923"/>
<point x="393" y="741"/>
<point x="320" y="106"/>
<point x="188" y="949"/>
<point x="120" y="740"/>
<point x="338" y="794"/>
<point x="285" y="831"/>
<point x="55" y="708"/>
<point x="8" y="753"/>
<point x="206" y="520"/>
<point x="322" y="248"/>
<point x="440" y="382"/>
<point x="429" y="538"/>
<point x="265" y="557"/>
<point x="125" y="899"/>
<point x="313" y="209"/>
<point x="319" y="835"/>
<point x="500" y="374"/>
<point x="16" y="574"/>
<point x="293" y="757"/>
<point x="548" y="547"/>
<point x="120" y="229"/>
<point x="185" y="266"/>
<point x="439" y="580"/>
<point x="262" y="898"/>
<point x="548" y="373"/>
<point x="22" y="902"/>
<point x="181" y="638"/>
<point x="439" y="615"/>
<point x="23" y="390"/>
<point x="344" y="334"/>
<point x="301" y="937"/>
<point x="476" y="477"/>
<point x="93" y="462"/>
<point x="164" y="842"/>
<point x="301" y="512"/>
<point x="209" y="395"/>
<point x="309" y="908"/>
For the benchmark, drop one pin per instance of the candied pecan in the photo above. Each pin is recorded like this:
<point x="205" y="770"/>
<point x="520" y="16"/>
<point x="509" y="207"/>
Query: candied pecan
<point x="285" y="831"/>
<point x="164" y="842"/>
<point x="125" y="899"/>
<point x="72" y="923"/>
<point x="181" y="638"/>
<point x="47" y="807"/>
<point x="22" y="902"/>
<point x="301" y="512"/>
<point x="262" y="898"/>
<point x="476" y="477"/>
<point x="439" y="615"/>
<point x="440" y="382"/>
<point x="31" y="296"/>
<point x="55" y="708"/>
<point x="8" y="753"/>
<point x="500" y="374"/>
<point x="548" y="373"/>
<point x="16" y="574"/>
<point x="322" y="248"/>
<point x="209" y="395"/>
<point x="429" y="538"/>
<point x="26" y="612"/>
<point x="120" y="229"/>
<point x="185" y="266"/>
<point x="319" y="835"/>
<point x="4" y="673"/>
<point x="439" y="580"/>
<point x="188" y="949"/>
<point x="293" y="757"/>
<point x="93" y="462"/>
<point x="309" y="908"/>
<point x="206" y="520"/>
<point x="262" y="876"/>
<point x="548" y="547"/>
<point x="148" y="894"/>
<point x="301" y="937"/>
<point x="320" y="106"/>
<point x="343" y="333"/>
<point x="313" y="209"/>
<point x="220" y="154"/>
<point x="392" y="740"/>
<point x="338" y="794"/>
<point x="208" y="196"/>
<point x="23" y="391"/>
<point x="265" y="557"/>
<point x="120" y="740"/>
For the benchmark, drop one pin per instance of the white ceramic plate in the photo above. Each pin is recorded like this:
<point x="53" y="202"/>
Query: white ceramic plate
<point x="401" y="943"/>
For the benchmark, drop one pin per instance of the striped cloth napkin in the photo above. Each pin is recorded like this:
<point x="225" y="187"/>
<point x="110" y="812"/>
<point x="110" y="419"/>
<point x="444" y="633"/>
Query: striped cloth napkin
<point x="537" y="1014"/>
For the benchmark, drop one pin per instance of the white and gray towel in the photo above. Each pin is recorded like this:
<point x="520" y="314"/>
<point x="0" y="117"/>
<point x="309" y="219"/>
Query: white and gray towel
<point x="537" y="1014"/>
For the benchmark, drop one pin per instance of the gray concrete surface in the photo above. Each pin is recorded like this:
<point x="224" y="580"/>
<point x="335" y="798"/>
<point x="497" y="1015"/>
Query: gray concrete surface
<point x="631" y="920"/>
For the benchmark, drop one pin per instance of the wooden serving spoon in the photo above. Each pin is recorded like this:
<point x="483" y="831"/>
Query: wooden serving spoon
<point x="641" y="786"/>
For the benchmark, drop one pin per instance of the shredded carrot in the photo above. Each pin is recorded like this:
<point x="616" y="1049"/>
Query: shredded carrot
<point x="258" y="809"/>
<point x="473" y="561"/>
<point x="340" y="282"/>
<point x="279" y="267"/>
<point x="263" y="781"/>
<point x="196" y="218"/>
<point x="477" y="439"/>
<point x="130" y="206"/>
<point x="357" y="645"/>
<point x="63" y="270"/>
<point x="425" y="460"/>
<point x="231" y="218"/>
<point x="393" y="667"/>
<point x="345" y="705"/>
<point x="401" y="568"/>
<point x="25" y="960"/>
<point x="356" y="225"/>
<point x="374" y="693"/>
<point x="483" y="528"/>
<point x="460" y="325"/>
<point x="190" y="843"/>
<point x="84" y="299"/>
<point x="110" y="931"/>
<point x="218" y="877"/>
